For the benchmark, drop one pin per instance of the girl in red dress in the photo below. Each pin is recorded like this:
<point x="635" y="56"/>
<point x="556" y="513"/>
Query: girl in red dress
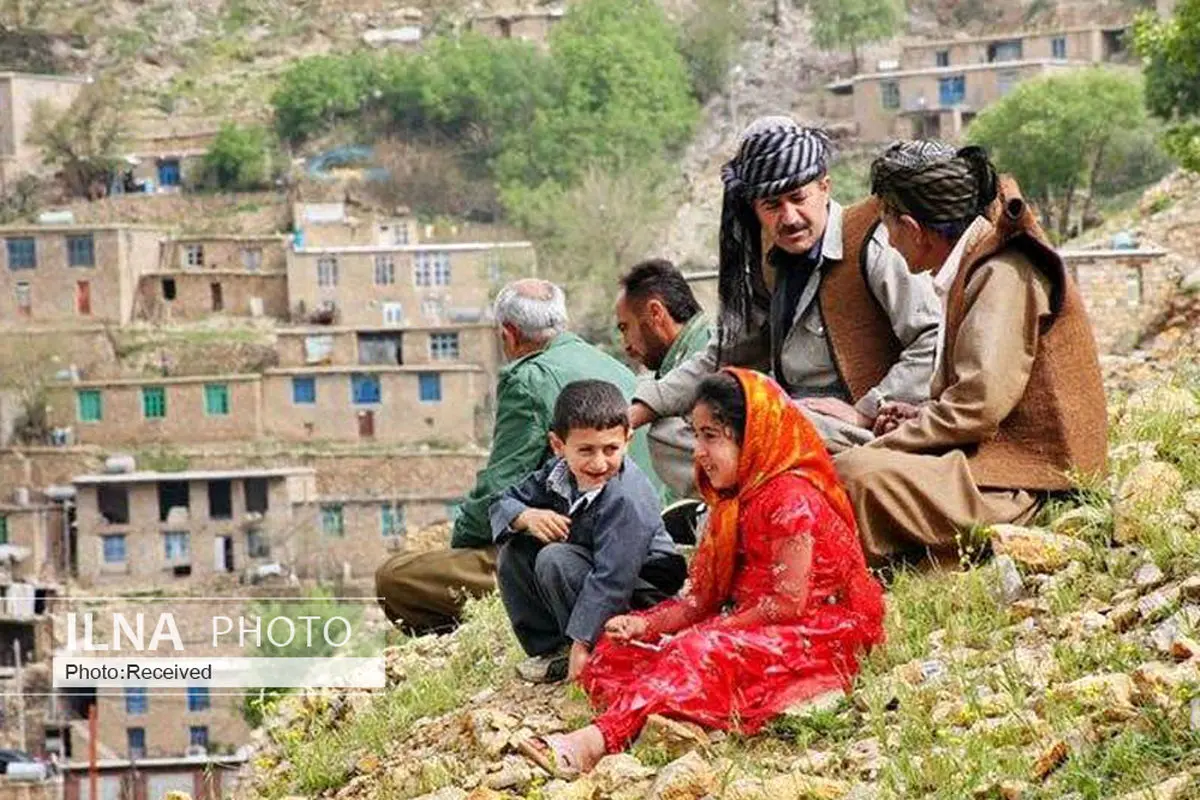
<point x="779" y="603"/>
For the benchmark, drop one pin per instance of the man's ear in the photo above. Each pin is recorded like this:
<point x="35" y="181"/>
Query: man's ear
<point x="557" y="444"/>
<point x="656" y="310"/>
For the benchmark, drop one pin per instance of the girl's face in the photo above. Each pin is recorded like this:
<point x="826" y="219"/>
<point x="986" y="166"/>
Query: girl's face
<point x="717" y="450"/>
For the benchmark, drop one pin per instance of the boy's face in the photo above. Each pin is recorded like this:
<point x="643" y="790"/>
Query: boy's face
<point x="593" y="456"/>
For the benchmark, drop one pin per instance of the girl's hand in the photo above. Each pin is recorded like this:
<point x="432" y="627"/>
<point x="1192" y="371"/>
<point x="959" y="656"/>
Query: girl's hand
<point x="625" y="627"/>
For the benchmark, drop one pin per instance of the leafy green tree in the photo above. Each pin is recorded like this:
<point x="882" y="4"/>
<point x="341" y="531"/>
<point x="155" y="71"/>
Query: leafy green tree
<point x="620" y="94"/>
<point x="239" y="158"/>
<point x="84" y="140"/>
<point x="1055" y="134"/>
<point x="1170" y="50"/>
<point x="854" y="23"/>
<point x="317" y="91"/>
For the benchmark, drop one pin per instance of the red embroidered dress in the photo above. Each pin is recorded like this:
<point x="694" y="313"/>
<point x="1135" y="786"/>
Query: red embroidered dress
<point x="782" y="553"/>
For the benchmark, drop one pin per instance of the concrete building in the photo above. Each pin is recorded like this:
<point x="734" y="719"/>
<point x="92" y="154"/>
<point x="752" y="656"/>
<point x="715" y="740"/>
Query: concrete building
<point x="201" y="276"/>
<point x="33" y="540"/>
<point x="401" y="285"/>
<point x="471" y="343"/>
<point x="333" y="225"/>
<point x="73" y="274"/>
<point x="181" y="527"/>
<point x="937" y="88"/>
<point x="200" y="777"/>
<point x="445" y="405"/>
<point x="531" y="25"/>
<point x="207" y="408"/>
<point x="20" y="96"/>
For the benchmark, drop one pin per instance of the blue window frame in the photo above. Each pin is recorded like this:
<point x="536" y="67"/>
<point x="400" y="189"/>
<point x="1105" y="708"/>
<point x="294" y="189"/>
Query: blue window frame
<point x="177" y="546"/>
<point x="198" y="699"/>
<point x="136" y="701"/>
<point x="952" y="91"/>
<point x="430" y="387"/>
<point x="114" y="548"/>
<point x="81" y="251"/>
<point x="364" y="389"/>
<point x="304" y="391"/>
<point x="198" y="735"/>
<point x="168" y="172"/>
<point x="22" y="253"/>
<point x="137" y="742"/>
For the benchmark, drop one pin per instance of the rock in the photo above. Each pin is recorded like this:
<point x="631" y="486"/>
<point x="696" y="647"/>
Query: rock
<point x="490" y="730"/>
<point x="1053" y="754"/>
<point x="1167" y="400"/>
<point x="1124" y="616"/>
<point x="1079" y="520"/>
<point x="1148" y="575"/>
<point x="1154" y="606"/>
<point x="1036" y="549"/>
<point x="1185" y="648"/>
<point x="516" y="774"/>
<point x="1113" y="689"/>
<point x="687" y="778"/>
<point x="1171" y="789"/>
<point x="1094" y="622"/>
<point x="1150" y="487"/>
<point x="367" y="764"/>
<point x="582" y="789"/>
<point x="1031" y="607"/>
<point x="445" y="793"/>
<point x="798" y="786"/>
<point x="1190" y="589"/>
<point x="822" y="703"/>
<point x="1009" y="584"/>
<point x="1190" y="283"/>
<point x="1157" y="683"/>
<point x="485" y="793"/>
<point x="866" y="756"/>
<point x="618" y="771"/>
<point x="919" y="672"/>
<point x="1194" y="715"/>
<point x="1164" y="635"/>
<point x="672" y="736"/>
<point x="1191" y="504"/>
<point x="812" y="762"/>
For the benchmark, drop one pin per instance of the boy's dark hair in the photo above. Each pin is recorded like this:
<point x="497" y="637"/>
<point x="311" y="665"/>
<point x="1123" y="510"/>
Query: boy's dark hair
<point x="592" y="405"/>
<point x="660" y="279"/>
<point x="726" y="401"/>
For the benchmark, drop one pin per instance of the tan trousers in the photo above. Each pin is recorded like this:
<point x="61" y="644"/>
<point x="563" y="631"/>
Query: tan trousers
<point x="425" y="592"/>
<point x="908" y="504"/>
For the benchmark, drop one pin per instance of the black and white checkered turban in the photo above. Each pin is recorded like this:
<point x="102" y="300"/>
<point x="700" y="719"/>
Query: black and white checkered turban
<point x="776" y="155"/>
<point x="932" y="182"/>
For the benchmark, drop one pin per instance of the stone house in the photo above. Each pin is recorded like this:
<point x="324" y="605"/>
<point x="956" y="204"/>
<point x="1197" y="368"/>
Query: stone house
<point x="168" y="154"/>
<point x="200" y="276"/>
<point x="471" y="343"/>
<point x="206" y="408"/>
<point x="182" y="527"/>
<point x="33" y="540"/>
<point x="439" y="405"/>
<point x="937" y="88"/>
<point x="73" y="275"/>
<point x="401" y="285"/>
<point x="200" y="777"/>
<point x="531" y="25"/>
<point x="20" y="95"/>
<point x="332" y="225"/>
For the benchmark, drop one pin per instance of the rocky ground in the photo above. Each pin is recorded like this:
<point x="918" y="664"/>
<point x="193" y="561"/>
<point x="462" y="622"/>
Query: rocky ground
<point x="1065" y="666"/>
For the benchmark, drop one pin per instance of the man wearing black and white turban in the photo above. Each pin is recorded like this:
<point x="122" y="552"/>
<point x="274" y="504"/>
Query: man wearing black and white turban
<point x="809" y="292"/>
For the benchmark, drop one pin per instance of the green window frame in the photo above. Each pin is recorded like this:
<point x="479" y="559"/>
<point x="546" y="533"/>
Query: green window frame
<point x="391" y="519"/>
<point x="333" y="523"/>
<point x="216" y="399"/>
<point x="91" y="405"/>
<point x="3" y="529"/>
<point x="154" y="402"/>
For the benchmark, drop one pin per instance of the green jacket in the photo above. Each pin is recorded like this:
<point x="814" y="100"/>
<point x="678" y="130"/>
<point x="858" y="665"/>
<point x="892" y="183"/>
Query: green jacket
<point x="525" y="397"/>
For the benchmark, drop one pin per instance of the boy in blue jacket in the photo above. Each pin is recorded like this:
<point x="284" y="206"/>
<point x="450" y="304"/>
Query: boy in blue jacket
<point x="581" y="539"/>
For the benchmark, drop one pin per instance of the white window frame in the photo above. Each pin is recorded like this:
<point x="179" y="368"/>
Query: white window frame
<point x="393" y="313"/>
<point x="252" y="258"/>
<point x="193" y="255"/>
<point x="385" y="270"/>
<point x="327" y="272"/>
<point x="444" y="346"/>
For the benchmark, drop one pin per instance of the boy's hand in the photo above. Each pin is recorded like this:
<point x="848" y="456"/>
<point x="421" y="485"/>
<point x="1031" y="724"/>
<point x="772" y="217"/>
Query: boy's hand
<point x="543" y="524"/>
<point x="892" y="414"/>
<point x="577" y="660"/>
<point x="624" y="627"/>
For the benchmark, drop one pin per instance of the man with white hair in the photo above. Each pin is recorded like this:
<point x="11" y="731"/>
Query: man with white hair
<point x="425" y="592"/>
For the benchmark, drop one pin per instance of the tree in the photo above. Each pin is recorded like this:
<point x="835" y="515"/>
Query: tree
<point x="238" y="159"/>
<point x="317" y="91"/>
<point x="1055" y="134"/>
<point x="708" y="39"/>
<point x="84" y="140"/>
<point x="1170" y="50"/>
<point x="853" y="23"/>
<point x="27" y="371"/>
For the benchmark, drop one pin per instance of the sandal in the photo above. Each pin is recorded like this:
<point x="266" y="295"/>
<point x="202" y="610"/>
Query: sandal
<point x="554" y="754"/>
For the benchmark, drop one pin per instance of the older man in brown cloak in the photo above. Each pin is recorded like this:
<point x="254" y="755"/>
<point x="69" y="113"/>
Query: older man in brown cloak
<point x="1017" y="402"/>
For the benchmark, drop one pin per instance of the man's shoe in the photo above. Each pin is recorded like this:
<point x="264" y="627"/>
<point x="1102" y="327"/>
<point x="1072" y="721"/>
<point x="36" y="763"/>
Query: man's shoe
<point x="550" y="668"/>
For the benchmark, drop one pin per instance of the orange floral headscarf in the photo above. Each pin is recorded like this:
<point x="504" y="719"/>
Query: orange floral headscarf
<point x="778" y="439"/>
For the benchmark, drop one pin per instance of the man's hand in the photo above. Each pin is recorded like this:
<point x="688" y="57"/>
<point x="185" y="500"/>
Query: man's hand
<point x="832" y="407"/>
<point x="543" y="524"/>
<point x="892" y="414"/>
<point x="625" y="627"/>
<point x="577" y="660"/>
<point x="640" y="414"/>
